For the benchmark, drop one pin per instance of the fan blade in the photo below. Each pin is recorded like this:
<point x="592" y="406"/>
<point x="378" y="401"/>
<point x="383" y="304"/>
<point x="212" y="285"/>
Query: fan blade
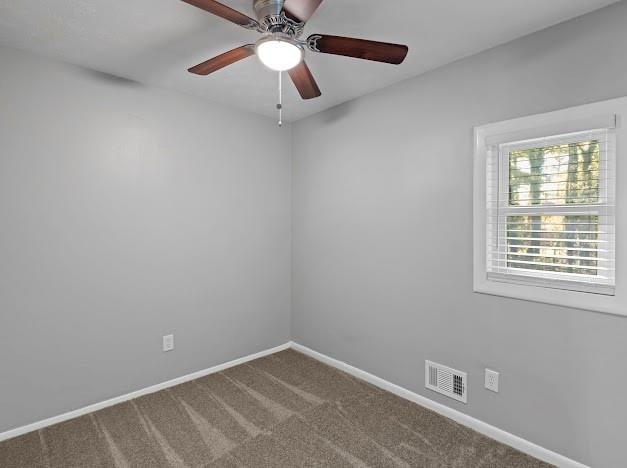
<point x="300" y="10"/>
<point x="225" y="12"/>
<point x="358" y="48"/>
<point x="221" y="61"/>
<point x="304" y="81"/>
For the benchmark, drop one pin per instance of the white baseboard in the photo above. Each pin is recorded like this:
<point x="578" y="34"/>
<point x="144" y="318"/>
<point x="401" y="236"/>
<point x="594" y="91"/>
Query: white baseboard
<point x="130" y="396"/>
<point x="484" y="428"/>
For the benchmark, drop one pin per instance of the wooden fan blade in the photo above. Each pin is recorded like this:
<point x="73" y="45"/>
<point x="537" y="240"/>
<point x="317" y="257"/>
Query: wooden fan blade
<point x="358" y="48"/>
<point x="300" y="10"/>
<point x="225" y="12"/>
<point x="304" y="81"/>
<point x="221" y="61"/>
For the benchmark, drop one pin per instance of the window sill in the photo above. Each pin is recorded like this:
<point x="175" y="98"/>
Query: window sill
<point x="573" y="299"/>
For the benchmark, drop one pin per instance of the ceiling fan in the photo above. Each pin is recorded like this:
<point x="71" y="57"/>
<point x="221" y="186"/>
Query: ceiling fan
<point x="281" y="48"/>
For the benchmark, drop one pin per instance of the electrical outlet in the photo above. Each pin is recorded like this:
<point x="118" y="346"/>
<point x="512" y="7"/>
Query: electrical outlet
<point x="492" y="380"/>
<point x="168" y="343"/>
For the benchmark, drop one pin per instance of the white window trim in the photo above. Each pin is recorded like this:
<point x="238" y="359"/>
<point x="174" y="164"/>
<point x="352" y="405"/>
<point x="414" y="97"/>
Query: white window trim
<point x="604" y="114"/>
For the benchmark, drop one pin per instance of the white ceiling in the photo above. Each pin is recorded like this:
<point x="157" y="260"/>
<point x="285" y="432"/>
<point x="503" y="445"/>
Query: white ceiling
<point x="155" y="41"/>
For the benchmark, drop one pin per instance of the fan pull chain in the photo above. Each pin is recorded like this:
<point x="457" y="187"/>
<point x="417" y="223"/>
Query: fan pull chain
<point x="279" y="106"/>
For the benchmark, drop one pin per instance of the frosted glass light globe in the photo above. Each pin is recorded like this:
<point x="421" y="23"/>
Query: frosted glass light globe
<point x="278" y="54"/>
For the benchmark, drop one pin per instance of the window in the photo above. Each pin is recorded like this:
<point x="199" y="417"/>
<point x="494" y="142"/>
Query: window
<point x="550" y="204"/>
<point x="546" y="222"/>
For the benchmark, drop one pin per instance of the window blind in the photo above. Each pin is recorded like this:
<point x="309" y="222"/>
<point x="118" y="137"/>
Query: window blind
<point x="551" y="211"/>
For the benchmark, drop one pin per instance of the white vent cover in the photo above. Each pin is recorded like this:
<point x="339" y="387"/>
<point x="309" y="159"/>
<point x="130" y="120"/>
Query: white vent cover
<point x="447" y="381"/>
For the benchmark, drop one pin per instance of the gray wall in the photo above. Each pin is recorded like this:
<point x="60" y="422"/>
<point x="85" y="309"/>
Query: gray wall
<point x="382" y="243"/>
<point x="128" y="212"/>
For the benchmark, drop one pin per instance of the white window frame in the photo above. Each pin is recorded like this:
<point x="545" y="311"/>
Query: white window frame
<point x="549" y="279"/>
<point x="602" y="115"/>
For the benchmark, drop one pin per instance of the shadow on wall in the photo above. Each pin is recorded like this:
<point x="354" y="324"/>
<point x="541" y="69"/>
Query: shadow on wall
<point x="109" y="78"/>
<point x="337" y="113"/>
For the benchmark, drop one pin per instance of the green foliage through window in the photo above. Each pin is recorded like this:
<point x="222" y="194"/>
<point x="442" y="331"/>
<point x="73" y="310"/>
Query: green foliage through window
<point x="565" y="244"/>
<point x="555" y="175"/>
<point x="567" y="175"/>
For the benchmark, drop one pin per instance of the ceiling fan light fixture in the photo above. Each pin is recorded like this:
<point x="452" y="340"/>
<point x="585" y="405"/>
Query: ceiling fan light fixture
<point x="279" y="53"/>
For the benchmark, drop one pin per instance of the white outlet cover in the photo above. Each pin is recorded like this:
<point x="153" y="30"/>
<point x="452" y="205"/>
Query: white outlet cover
<point x="168" y="343"/>
<point x="492" y="380"/>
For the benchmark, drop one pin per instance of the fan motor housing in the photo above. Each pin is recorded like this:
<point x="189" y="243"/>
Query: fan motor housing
<point x="265" y="8"/>
<point x="272" y="19"/>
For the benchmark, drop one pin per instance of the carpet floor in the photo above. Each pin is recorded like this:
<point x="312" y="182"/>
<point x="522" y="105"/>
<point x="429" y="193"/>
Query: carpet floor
<point x="283" y="410"/>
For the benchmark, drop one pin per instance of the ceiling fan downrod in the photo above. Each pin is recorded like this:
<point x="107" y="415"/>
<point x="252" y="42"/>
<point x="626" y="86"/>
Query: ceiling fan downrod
<point x="279" y="106"/>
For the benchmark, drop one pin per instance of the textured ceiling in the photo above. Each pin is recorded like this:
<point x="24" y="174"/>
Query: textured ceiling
<point x="155" y="41"/>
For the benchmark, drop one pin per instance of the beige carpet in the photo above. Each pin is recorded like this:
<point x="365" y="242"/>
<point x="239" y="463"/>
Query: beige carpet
<point x="284" y="410"/>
